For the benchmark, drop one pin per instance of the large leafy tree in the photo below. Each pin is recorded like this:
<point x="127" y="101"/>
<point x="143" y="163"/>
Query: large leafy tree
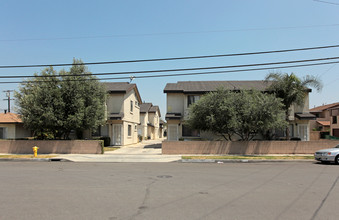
<point x="291" y="89"/>
<point x="244" y="113"/>
<point x="52" y="104"/>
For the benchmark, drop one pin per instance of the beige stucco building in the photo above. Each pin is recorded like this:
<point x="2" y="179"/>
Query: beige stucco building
<point x="123" y="113"/>
<point x="150" y="126"/>
<point x="181" y="95"/>
<point x="12" y="127"/>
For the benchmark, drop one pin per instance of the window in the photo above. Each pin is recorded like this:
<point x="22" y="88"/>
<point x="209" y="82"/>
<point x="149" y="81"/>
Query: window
<point x="188" y="132"/>
<point x="191" y="99"/>
<point x="131" y="106"/>
<point x="334" y="119"/>
<point x="129" y="130"/>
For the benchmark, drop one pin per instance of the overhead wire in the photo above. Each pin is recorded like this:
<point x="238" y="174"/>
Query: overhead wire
<point x="180" y="69"/>
<point x="183" y="74"/>
<point x="172" y="58"/>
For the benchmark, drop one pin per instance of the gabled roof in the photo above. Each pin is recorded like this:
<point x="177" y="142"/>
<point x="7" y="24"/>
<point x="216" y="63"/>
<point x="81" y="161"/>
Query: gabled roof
<point x="208" y="86"/>
<point x="122" y="87"/>
<point x="154" y="109"/>
<point x="323" y="107"/>
<point x="145" y="107"/>
<point x="10" y="118"/>
<point x="149" y="107"/>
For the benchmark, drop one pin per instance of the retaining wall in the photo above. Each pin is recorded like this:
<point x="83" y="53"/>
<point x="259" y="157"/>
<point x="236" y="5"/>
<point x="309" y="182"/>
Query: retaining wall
<point x="51" y="146"/>
<point x="243" y="147"/>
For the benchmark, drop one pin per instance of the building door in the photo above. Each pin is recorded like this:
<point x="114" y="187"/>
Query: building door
<point x="172" y="132"/>
<point x="117" y="134"/>
<point x="303" y="132"/>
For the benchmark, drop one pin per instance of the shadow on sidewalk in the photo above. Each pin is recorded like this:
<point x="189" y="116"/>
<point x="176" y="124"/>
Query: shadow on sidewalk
<point x="153" y="146"/>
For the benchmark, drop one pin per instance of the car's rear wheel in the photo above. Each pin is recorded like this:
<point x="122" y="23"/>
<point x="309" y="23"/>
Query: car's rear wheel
<point x="336" y="159"/>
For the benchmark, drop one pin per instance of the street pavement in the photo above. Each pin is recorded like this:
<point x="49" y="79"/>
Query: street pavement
<point x="111" y="191"/>
<point x="146" y="151"/>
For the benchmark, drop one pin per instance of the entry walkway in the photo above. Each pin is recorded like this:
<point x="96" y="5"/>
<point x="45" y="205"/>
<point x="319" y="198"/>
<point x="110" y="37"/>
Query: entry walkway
<point x="146" y="151"/>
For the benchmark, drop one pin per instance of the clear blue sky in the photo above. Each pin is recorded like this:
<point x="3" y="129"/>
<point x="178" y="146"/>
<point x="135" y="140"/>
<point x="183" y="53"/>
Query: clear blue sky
<point x="34" y="32"/>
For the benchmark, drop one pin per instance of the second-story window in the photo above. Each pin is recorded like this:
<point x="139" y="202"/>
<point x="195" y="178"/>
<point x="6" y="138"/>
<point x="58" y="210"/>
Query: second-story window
<point x="131" y="106"/>
<point x="191" y="99"/>
<point x="334" y="119"/>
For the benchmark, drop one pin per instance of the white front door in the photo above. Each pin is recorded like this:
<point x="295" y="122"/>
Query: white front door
<point x="117" y="134"/>
<point x="172" y="132"/>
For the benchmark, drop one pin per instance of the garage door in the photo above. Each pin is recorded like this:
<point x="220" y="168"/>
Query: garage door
<point x="335" y="132"/>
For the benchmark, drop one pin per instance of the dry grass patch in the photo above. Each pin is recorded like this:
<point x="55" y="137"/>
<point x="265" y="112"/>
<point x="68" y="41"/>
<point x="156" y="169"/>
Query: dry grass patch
<point x="25" y="156"/>
<point x="111" y="148"/>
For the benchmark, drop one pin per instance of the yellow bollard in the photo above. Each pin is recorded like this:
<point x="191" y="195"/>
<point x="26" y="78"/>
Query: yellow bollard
<point x="35" y="151"/>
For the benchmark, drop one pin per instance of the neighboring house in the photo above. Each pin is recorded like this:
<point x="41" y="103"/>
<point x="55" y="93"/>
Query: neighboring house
<point x="149" y="127"/>
<point x="123" y="113"/>
<point x="12" y="127"/>
<point x="323" y="120"/>
<point x="181" y="95"/>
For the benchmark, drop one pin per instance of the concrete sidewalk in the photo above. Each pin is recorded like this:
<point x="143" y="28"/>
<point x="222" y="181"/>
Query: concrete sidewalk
<point x="146" y="151"/>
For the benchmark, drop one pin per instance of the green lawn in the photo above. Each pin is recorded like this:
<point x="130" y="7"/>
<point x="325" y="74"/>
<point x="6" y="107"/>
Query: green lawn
<point x="261" y="157"/>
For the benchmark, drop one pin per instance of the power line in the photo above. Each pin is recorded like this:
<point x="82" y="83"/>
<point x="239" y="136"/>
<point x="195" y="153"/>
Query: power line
<point x="181" y="69"/>
<point x="174" y="58"/>
<point x="185" y="74"/>
<point x="326" y="2"/>
<point x="174" y="33"/>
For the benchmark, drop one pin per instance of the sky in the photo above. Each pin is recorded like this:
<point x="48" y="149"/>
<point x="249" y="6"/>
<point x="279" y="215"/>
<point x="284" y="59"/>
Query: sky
<point x="50" y="32"/>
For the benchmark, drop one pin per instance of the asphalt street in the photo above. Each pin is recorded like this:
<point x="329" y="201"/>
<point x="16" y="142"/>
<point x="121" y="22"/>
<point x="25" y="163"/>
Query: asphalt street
<point x="66" y="190"/>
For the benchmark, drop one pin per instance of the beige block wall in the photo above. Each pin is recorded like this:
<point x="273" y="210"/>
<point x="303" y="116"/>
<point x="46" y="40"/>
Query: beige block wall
<point x="51" y="146"/>
<point x="243" y="147"/>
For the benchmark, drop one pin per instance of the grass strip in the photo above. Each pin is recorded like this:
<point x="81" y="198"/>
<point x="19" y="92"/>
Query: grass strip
<point x="24" y="156"/>
<point x="235" y="157"/>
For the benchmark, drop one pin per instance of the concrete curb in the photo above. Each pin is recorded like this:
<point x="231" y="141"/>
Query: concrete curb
<point x="239" y="161"/>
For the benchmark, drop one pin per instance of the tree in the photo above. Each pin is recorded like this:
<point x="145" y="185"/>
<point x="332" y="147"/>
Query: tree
<point x="52" y="104"/>
<point x="214" y="112"/>
<point x="245" y="113"/>
<point x="85" y="98"/>
<point x="291" y="89"/>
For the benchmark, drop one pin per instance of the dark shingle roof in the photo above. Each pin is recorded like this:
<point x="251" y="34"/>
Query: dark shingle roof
<point x="118" y="86"/>
<point x="122" y="87"/>
<point x="155" y="108"/>
<point x="208" y="86"/>
<point x="145" y="107"/>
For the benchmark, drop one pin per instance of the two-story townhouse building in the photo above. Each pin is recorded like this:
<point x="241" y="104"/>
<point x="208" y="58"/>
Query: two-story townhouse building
<point x="149" y="127"/>
<point x="182" y="94"/>
<point x="324" y="119"/>
<point x="123" y="113"/>
<point x="334" y="123"/>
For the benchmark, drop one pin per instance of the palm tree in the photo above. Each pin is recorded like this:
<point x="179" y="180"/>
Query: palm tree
<point x="291" y="89"/>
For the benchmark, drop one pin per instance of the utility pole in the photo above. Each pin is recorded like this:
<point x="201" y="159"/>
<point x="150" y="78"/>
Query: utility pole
<point x="8" y="95"/>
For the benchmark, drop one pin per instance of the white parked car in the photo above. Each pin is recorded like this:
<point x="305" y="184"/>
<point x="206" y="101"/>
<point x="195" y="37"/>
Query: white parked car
<point x="328" y="155"/>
